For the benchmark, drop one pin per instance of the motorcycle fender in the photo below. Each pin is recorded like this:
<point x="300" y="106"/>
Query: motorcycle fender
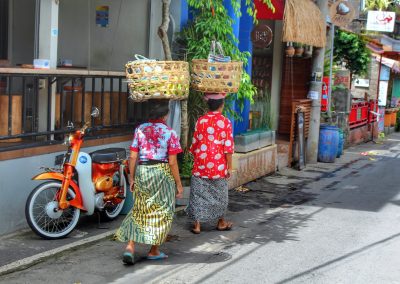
<point x="77" y="201"/>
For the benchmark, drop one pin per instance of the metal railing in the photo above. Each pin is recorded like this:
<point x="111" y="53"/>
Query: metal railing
<point x="35" y="109"/>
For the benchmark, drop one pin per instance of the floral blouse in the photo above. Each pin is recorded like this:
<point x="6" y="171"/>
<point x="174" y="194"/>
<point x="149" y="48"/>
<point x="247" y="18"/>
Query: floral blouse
<point x="212" y="139"/>
<point x="154" y="140"/>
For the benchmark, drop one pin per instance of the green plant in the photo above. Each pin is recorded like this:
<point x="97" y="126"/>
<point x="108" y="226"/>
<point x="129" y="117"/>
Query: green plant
<point x="380" y="4"/>
<point x="211" y="21"/>
<point x="187" y="165"/>
<point x="350" y="50"/>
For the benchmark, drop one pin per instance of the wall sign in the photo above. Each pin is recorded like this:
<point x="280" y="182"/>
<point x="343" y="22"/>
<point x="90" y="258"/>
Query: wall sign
<point x="361" y="83"/>
<point x="383" y="89"/>
<point x="261" y="36"/>
<point x="102" y="13"/>
<point x="341" y="13"/>
<point x="381" y="21"/>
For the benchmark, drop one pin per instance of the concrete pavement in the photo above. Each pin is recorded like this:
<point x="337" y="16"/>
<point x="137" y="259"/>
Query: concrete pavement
<point x="332" y="223"/>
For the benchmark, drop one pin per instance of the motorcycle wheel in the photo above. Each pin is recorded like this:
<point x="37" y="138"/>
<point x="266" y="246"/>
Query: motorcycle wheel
<point x="42" y="215"/>
<point x="112" y="212"/>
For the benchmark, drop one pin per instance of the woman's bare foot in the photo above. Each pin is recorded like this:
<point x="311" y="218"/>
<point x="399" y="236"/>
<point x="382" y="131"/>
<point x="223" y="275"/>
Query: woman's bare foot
<point x="196" y="227"/>
<point x="224" y="225"/>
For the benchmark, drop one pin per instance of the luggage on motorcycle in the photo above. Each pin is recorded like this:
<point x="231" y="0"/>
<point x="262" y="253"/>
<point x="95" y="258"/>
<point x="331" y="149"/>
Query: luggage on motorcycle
<point x="109" y="155"/>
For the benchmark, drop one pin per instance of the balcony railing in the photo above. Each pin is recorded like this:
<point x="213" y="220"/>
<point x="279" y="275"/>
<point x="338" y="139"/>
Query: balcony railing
<point x="36" y="107"/>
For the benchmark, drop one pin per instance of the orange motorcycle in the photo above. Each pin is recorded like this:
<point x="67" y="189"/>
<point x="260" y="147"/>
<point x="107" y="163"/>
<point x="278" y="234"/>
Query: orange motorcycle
<point x="84" y="183"/>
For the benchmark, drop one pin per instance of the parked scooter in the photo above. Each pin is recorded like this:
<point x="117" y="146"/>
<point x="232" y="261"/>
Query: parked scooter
<point x="85" y="182"/>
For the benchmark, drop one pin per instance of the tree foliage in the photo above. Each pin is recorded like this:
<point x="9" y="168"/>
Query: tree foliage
<point x="351" y="51"/>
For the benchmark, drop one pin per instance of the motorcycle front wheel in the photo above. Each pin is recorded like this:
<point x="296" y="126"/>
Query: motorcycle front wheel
<point x="43" y="215"/>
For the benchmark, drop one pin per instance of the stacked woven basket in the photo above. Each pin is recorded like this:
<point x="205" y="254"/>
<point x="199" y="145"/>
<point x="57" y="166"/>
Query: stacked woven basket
<point x="150" y="79"/>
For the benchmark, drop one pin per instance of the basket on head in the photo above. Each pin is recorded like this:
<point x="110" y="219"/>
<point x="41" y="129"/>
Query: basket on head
<point x="150" y="79"/>
<point x="216" y="77"/>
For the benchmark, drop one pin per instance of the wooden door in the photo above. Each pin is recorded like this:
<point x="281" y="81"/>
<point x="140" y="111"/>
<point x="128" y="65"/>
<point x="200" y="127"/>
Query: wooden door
<point x="296" y="75"/>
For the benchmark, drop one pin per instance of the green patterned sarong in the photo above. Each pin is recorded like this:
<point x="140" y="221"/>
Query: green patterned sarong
<point x="151" y="217"/>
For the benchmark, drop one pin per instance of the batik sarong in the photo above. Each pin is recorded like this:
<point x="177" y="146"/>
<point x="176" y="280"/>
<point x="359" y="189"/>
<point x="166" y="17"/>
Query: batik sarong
<point x="151" y="217"/>
<point x="208" y="199"/>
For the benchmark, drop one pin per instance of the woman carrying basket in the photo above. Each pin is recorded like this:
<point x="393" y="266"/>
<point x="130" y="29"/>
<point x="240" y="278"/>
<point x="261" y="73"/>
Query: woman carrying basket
<point x="155" y="146"/>
<point x="212" y="148"/>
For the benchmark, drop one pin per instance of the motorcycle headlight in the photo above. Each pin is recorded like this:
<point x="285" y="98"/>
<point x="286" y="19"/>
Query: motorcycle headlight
<point x="68" y="140"/>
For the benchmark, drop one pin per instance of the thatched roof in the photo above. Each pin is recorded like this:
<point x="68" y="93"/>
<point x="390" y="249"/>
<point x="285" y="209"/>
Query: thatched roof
<point x="303" y="23"/>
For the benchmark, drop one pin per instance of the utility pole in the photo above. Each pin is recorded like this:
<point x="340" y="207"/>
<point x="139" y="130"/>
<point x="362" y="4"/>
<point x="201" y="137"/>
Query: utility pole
<point x="315" y="93"/>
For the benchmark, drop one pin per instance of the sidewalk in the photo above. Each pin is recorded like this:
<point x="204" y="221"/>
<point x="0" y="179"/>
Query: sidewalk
<point x="273" y="193"/>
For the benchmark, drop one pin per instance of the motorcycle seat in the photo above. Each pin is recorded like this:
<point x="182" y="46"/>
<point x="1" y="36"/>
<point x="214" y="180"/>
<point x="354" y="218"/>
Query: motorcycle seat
<point x="108" y="155"/>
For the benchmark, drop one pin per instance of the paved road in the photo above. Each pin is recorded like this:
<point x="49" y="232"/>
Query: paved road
<point x="327" y="224"/>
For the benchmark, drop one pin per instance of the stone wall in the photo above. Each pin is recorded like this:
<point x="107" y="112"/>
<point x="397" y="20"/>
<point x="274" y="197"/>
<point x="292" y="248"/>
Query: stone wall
<point x="373" y="73"/>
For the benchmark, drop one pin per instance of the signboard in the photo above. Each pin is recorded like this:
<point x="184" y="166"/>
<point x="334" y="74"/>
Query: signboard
<point x="341" y="13"/>
<point x="261" y="36"/>
<point x="361" y="83"/>
<point x="383" y="88"/>
<point x="264" y="13"/>
<point x="381" y="21"/>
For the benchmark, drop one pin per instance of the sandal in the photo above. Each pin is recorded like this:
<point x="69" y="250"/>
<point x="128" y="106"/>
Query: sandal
<point x="227" y="227"/>
<point x="157" y="257"/>
<point x="127" y="258"/>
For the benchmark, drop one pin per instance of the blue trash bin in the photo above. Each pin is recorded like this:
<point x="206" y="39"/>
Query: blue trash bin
<point x="328" y="143"/>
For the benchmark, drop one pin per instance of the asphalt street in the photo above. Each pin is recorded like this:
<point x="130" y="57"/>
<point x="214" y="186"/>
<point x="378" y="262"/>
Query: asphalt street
<point x="331" y="223"/>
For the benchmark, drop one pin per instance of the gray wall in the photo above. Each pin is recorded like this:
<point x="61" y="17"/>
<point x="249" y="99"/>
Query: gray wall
<point x="131" y="30"/>
<point x="16" y="184"/>
<point x="22" y="34"/>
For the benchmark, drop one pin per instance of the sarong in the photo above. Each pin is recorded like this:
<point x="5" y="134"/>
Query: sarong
<point x="208" y="199"/>
<point x="151" y="217"/>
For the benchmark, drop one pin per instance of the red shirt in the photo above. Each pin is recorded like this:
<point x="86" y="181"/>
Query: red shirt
<point x="212" y="139"/>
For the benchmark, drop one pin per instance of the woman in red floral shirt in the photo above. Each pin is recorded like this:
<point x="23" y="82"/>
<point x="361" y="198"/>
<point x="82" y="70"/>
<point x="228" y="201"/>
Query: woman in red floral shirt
<point x="212" y="148"/>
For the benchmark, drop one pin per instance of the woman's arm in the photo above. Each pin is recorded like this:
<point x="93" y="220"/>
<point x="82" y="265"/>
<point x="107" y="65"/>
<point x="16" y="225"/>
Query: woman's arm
<point x="173" y="164"/>
<point x="228" y="157"/>
<point x="132" y="167"/>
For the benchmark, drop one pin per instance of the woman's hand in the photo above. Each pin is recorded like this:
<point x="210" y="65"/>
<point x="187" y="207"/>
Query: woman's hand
<point x="179" y="189"/>
<point x="229" y="174"/>
<point x="132" y="185"/>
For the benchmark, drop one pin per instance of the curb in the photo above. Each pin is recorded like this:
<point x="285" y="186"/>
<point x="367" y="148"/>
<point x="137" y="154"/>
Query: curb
<point x="35" y="259"/>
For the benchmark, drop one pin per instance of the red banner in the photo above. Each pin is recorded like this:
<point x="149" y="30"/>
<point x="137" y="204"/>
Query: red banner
<point x="264" y="13"/>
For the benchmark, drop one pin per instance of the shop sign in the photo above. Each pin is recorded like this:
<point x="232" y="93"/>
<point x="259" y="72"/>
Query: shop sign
<point x="261" y="36"/>
<point x="341" y="13"/>
<point x="383" y="89"/>
<point x="264" y="13"/>
<point x="361" y="83"/>
<point x="381" y="21"/>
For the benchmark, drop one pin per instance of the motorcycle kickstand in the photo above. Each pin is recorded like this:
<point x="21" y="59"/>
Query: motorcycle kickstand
<point x="99" y="222"/>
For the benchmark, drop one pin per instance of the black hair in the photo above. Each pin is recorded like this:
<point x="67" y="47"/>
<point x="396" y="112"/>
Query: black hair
<point x="213" y="105"/>
<point x="158" y="108"/>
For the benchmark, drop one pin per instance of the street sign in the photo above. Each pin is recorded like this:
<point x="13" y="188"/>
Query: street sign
<point x="341" y="13"/>
<point x="381" y="21"/>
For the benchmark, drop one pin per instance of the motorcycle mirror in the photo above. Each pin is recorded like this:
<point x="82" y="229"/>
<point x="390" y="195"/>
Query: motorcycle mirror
<point x="95" y="112"/>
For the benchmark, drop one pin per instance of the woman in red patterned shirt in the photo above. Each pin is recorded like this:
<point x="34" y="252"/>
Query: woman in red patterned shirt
<point x="212" y="148"/>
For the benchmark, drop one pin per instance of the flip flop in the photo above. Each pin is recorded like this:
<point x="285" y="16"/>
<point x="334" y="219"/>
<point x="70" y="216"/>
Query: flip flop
<point x="228" y="227"/>
<point x="127" y="257"/>
<point x="157" y="257"/>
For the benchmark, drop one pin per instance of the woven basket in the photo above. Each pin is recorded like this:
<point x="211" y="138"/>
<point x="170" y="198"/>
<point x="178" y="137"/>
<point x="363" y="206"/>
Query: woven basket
<point x="216" y="77"/>
<point x="150" y="79"/>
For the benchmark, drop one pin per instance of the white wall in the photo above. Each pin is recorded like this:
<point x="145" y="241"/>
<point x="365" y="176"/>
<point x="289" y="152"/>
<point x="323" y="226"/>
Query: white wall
<point x="16" y="185"/>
